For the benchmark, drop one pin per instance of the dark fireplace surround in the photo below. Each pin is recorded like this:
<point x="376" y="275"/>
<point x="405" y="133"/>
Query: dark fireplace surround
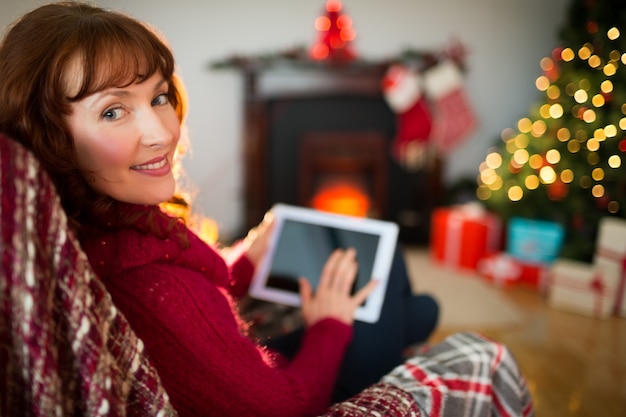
<point x="304" y="122"/>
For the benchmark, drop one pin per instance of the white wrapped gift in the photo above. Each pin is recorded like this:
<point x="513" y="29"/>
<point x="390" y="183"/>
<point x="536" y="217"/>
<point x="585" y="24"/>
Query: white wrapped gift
<point x="582" y="288"/>
<point x="610" y="257"/>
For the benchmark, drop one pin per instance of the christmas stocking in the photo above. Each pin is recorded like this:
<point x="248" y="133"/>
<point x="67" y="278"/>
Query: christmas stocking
<point x="402" y="89"/>
<point x="453" y="115"/>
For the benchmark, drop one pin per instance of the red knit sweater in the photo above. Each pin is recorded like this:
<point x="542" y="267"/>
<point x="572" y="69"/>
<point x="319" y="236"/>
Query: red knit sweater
<point x="178" y="301"/>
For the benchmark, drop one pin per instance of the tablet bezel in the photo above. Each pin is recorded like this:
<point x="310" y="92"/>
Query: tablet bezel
<point x="387" y="233"/>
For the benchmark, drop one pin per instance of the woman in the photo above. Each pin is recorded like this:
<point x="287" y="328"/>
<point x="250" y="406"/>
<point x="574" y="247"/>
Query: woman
<point x="94" y="96"/>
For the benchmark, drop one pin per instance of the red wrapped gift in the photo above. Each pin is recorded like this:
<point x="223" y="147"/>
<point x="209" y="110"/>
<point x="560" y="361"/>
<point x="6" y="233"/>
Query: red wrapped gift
<point x="610" y="256"/>
<point x="505" y="270"/>
<point x="534" y="274"/>
<point x="463" y="235"/>
<point x="581" y="288"/>
<point x="500" y="268"/>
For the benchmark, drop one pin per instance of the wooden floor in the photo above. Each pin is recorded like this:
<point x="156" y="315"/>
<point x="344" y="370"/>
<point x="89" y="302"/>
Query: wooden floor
<point x="574" y="365"/>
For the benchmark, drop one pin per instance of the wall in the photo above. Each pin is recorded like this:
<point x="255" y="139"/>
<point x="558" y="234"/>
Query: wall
<point x="505" y="41"/>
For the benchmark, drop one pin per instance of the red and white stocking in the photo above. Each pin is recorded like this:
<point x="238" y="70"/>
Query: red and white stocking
<point x="402" y="89"/>
<point x="452" y="113"/>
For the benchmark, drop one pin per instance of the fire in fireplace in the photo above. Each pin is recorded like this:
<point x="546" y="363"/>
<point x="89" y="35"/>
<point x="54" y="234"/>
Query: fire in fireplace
<point x="342" y="197"/>
<point x="344" y="172"/>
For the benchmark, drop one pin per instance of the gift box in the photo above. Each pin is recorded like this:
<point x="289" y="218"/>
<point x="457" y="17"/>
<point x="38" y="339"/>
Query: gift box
<point x="462" y="235"/>
<point x="610" y="256"/>
<point x="499" y="268"/>
<point x="534" y="241"/>
<point x="504" y="270"/>
<point x="582" y="288"/>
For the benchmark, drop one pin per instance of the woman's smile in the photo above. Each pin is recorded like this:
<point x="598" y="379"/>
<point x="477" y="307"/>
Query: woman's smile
<point x="156" y="167"/>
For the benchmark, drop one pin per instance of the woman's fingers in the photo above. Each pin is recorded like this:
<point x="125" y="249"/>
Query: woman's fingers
<point x="333" y="297"/>
<point x="363" y="293"/>
<point x="328" y="271"/>
<point x="257" y="240"/>
<point x="346" y="272"/>
<point x="306" y="293"/>
<point x="339" y="271"/>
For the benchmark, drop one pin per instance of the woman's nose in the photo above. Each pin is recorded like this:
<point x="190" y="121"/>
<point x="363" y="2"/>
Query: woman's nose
<point x="156" y="129"/>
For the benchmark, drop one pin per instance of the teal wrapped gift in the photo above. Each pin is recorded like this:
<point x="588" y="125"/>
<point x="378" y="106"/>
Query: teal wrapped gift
<point x="534" y="240"/>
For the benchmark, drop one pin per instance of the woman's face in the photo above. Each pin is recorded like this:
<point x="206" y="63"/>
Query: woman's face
<point x="125" y="138"/>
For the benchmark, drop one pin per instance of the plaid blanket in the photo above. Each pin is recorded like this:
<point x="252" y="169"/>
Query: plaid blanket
<point x="466" y="375"/>
<point x="64" y="348"/>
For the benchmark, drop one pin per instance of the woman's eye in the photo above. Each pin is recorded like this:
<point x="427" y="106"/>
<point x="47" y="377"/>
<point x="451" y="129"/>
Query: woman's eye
<point x="160" y="100"/>
<point x="113" y="114"/>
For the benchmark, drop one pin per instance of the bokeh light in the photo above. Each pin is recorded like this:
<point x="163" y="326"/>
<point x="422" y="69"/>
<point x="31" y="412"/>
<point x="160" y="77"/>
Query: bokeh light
<point x="563" y="134"/>
<point x="535" y="161"/>
<point x="614" y="161"/>
<point x="597" y="174"/>
<point x="598" y="190"/>
<point x="520" y="157"/>
<point x="494" y="160"/>
<point x="581" y="96"/>
<point x="531" y="182"/>
<point x="322" y="23"/>
<point x="567" y="54"/>
<point x="547" y="174"/>
<point x="553" y="156"/>
<point x="606" y="86"/>
<point x="585" y="52"/>
<point x="556" y="111"/>
<point x="567" y="176"/>
<point x="589" y="116"/>
<point x="515" y="193"/>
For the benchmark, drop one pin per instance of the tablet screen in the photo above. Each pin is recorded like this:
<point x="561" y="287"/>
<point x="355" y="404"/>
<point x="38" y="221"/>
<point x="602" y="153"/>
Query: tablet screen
<point x="303" y="248"/>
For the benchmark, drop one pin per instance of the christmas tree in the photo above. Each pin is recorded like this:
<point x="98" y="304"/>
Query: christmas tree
<point x="566" y="160"/>
<point x="335" y="34"/>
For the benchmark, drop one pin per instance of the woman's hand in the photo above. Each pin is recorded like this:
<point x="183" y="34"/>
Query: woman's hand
<point x="257" y="240"/>
<point x="332" y="297"/>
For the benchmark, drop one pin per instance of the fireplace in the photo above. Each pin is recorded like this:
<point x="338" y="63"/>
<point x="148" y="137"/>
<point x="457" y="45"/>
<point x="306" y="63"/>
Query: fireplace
<point x="344" y="172"/>
<point x="319" y="136"/>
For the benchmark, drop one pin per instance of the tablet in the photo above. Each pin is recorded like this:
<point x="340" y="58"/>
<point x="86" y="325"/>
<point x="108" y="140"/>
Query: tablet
<point x="303" y="239"/>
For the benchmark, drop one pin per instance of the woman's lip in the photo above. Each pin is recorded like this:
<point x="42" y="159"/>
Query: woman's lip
<point x="156" y="166"/>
